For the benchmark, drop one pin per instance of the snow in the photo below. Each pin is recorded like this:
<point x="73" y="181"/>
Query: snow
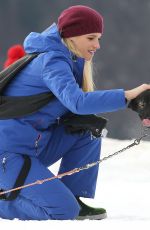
<point x="123" y="188"/>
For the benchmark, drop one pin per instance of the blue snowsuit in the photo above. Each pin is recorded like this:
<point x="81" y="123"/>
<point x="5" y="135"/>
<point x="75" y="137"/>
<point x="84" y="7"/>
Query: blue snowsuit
<point x="39" y="135"/>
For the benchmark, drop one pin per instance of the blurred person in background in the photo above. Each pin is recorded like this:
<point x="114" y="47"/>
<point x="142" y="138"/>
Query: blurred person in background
<point x="14" y="53"/>
<point x="63" y="67"/>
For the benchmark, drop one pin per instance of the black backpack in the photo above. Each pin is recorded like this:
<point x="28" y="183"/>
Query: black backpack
<point x="17" y="106"/>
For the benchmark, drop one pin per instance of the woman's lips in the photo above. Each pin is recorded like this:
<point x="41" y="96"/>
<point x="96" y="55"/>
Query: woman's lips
<point x="92" y="52"/>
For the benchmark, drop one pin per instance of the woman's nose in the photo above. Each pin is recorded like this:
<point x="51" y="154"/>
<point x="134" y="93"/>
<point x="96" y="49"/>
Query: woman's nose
<point x="97" y="45"/>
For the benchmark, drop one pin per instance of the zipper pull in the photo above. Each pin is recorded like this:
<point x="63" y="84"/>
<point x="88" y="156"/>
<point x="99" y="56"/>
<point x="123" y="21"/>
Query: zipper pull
<point x="37" y="141"/>
<point x="58" y="120"/>
<point x="4" y="164"/>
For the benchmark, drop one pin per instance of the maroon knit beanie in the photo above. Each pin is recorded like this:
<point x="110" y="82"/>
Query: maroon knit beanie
<point x="79" y="20"/>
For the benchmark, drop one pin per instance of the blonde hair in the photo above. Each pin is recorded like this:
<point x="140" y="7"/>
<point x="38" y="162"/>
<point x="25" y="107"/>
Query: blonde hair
<point x="88" y="84"/>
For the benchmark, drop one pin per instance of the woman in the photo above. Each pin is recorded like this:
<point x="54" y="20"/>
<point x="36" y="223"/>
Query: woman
<point x="64" y="68"/>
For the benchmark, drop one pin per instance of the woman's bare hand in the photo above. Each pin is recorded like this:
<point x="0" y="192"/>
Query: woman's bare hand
<point x="133" y="93"/>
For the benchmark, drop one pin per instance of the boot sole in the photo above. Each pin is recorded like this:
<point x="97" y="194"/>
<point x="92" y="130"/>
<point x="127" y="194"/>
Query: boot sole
<point x="93" y="217"/>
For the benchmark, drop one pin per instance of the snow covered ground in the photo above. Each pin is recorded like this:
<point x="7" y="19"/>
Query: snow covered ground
<point x="123" y="188"/>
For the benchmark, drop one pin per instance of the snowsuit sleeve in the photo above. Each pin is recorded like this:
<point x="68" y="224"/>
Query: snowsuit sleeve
<point x="58" y="77"/>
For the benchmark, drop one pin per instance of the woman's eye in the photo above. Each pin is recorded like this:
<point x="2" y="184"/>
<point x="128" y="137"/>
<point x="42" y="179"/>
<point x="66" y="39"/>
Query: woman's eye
<point x="90" y="38"/>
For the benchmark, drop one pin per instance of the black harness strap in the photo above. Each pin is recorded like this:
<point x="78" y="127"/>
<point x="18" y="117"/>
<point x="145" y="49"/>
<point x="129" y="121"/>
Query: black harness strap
<point x="15" y="107"/>
<point x="20" y="179"/>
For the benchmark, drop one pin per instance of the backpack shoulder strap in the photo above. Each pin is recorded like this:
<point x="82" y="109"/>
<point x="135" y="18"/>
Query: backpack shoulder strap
<point x="18" y="106"/>
<point x="10" y="72"/>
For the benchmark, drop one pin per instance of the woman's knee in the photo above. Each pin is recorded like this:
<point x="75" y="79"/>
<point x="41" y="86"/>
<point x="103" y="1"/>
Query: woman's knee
<point x="65" y="207"/>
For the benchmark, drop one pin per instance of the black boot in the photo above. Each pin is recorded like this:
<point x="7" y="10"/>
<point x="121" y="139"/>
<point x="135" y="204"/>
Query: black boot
<point x="90" y="213"/>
